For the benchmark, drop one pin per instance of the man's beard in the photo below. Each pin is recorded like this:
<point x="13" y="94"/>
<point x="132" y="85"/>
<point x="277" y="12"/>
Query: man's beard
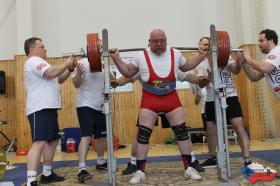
<point x="263" y="50"/>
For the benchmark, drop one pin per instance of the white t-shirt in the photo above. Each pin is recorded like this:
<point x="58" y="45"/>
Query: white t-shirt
<point x="273" y="77"/>
<point x="91" y="91"/>
<point x="161" y="64"/>
<point x="201" y="68"/>
<point x="41" y="93"/>
<point x="225" y="79"/>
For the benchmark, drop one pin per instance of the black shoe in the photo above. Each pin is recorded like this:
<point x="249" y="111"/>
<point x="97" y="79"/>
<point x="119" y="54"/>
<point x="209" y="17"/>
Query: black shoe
<point x="51" y="178"/>
<point x="84" y="175"/>
<point x="209" y="163"/>
<point x="197" y="166"/>
<point x="247" y="163"/>
<point x="101" y="167"/>
<point x="131" y="168"/>
<point x="34" y="183"/>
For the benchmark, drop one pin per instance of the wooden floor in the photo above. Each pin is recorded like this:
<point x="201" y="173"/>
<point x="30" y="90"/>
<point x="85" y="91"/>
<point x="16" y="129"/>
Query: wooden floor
<point x="156" y="150"/>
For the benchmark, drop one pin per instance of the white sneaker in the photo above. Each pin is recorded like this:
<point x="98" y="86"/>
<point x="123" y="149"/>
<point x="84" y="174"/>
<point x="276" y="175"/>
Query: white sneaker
<point x="192" y="173"/>
<point x="137" y="177"/>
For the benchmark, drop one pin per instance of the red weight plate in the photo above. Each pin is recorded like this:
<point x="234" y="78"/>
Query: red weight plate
<point x="93" y="53"/>
<point x="223" y="48"/>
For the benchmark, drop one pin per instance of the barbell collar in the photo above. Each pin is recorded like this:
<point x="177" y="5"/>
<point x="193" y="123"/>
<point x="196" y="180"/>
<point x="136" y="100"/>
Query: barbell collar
<point x="236" y="50"/>
<point x="76" y="54"/>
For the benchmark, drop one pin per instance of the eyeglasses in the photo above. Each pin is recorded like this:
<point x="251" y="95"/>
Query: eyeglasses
<point x="158" y="40"/>
<point x="42" y="47"/>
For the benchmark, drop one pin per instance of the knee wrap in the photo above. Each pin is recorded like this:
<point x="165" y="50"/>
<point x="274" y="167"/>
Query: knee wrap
<point x="144" y="134"/>
<point x="181" y="132"/>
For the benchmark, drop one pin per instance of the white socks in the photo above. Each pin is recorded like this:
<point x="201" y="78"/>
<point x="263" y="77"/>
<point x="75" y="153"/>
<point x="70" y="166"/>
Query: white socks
<point x="133" y="160"/>
<point x="47" y="170"/>
<point x="82" y="166"/>
<point x="193" y="156"/>
<point x="100" y="160"/>
<point x="31" y="176"/>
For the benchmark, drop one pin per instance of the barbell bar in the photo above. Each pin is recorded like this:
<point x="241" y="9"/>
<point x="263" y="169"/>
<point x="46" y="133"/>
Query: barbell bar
<point x="82" y="52"/>
<point x="178" y="48"/>
<point x="94" y="50"/>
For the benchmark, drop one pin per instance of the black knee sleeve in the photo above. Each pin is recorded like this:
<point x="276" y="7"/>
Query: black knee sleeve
<point x="144" y="134"/>
<point x="181" y="132"/>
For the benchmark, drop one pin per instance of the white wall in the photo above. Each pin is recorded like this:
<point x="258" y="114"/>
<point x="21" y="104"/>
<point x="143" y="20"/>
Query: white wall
<point x="63" y="24"/>
<point x="7" y="29"/>
<point x="254" y="16"/>
<point x="129" y="22"/>
<point x="271" y="19"/>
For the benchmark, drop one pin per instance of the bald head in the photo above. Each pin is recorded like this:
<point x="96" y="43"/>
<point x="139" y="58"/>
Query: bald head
<point x="158" y="41"/>
<point x="157" y="33"/>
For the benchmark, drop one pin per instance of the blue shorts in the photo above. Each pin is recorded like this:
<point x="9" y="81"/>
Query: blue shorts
<point x="92" y="122"/>
<point x="44" y="125"/>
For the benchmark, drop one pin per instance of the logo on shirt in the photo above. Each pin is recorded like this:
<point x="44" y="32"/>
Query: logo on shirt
<point x="41" y="66"/>
<point x="275" y="71"/>
<point x="227" y="79"/>
<point x="158" y="83"/>
<point x="277" y="78"/>
<point x="271" y="57"/>
<point x="274" y="75"/>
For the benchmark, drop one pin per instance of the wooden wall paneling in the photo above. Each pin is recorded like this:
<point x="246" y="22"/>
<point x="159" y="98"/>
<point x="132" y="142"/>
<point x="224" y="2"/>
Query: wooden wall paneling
<point x="7" y="102"/>
<point x="273" y="111"/>
<point x="256" y="123"/>
<point x="124" y="115"/>
<point x="23" y="127"/>
<point x="276" y="113"/>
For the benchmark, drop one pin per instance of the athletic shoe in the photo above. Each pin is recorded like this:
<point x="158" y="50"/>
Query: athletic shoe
<point x="138" y="177"/>
<point x="101" y="167"/>
<point x="34" y="183"/>
<point x="84" y="175"/>
<point x="197" y="166"/>
<point x="209" y="163"/>
<point x="131" y="168"/>
<point x="192" y="173"/>
<point x="51" y="178"/>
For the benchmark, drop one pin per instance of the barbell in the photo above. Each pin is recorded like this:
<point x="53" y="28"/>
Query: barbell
<point x="94" y="50"/>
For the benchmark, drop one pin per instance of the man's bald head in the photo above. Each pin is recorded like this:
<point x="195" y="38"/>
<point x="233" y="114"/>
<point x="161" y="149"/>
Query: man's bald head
<point x="157" y="33"/>
<point x="158" y="41"/>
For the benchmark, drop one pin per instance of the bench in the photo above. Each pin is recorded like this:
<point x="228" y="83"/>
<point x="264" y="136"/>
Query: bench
<point x="231" y="133"/>
<point x="11" y="146"/>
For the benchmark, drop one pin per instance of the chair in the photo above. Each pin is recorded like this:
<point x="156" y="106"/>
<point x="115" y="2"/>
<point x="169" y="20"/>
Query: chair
<point x="11" y="146"/>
